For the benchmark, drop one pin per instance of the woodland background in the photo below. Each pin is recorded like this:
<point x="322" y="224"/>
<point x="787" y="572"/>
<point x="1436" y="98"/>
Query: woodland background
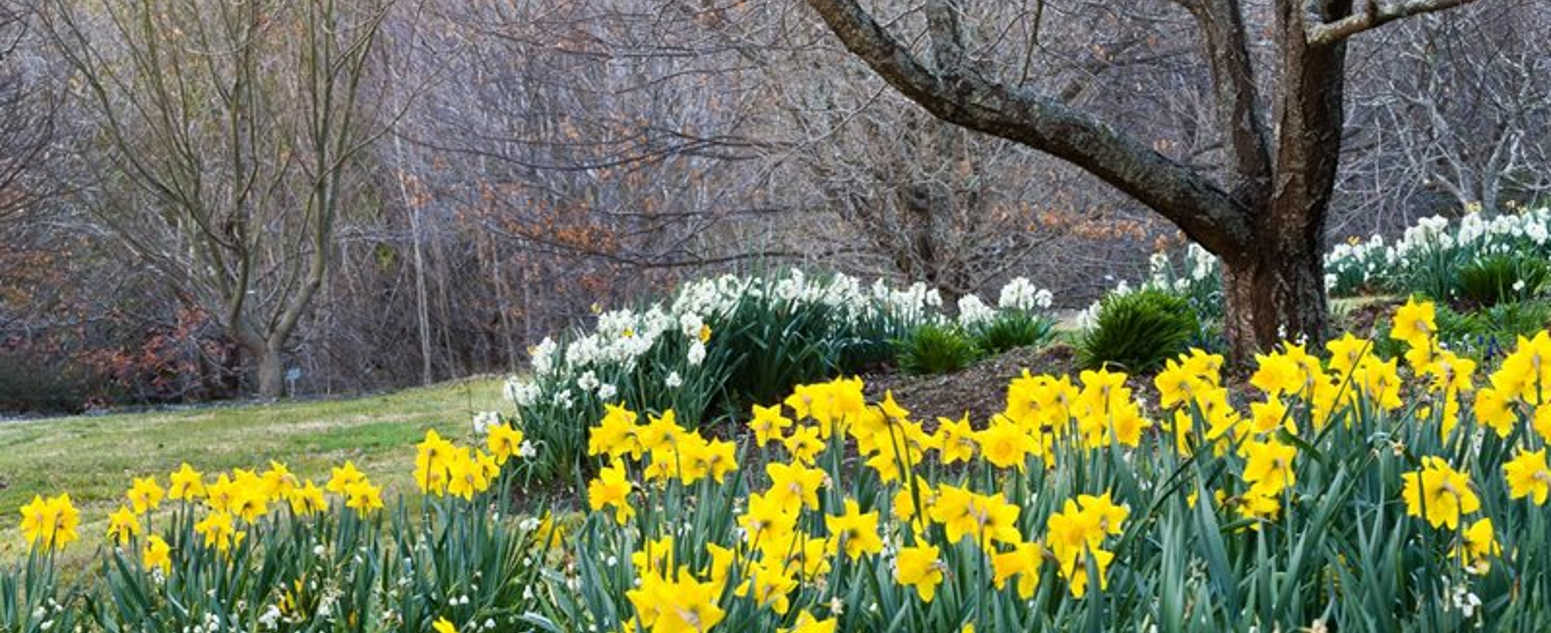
<point x="381" y="193"/>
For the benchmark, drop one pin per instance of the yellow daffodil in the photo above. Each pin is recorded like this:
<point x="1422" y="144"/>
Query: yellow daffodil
<point x="1414" y="323"/>
<point x="1347" y="352"/>
<point x="1268" y="467"/>
<point x="988" y="518"/>
<point x="279" y="481"/>
<point x="611" y="488"/>
<point x="307" y="499"/>
<point x="1023" y="561"/>
<point x="1528" y="476"/>
<point x="770" y="585"/>
<point x="919" y="567"/>
<point x="660" y="431"/>
<point x="804" y="444"/>
<point x="465" y="478"/>
<point x="363" y="497"/>
<point x="616" y="434"/>
<point x="1005" y="444"/>
<point x="342" y="477"/>
<point x="504" y="442"/>
<point x="1439" y="493"/>
<point x="123" y="526"/>
<point x="1075" y="571"/>
<point x="250" y="503"/>
<point x="806" y="623"/>
<point x="854" y="532"/>
<point x="1494" y="410"/>
<point x="145" y="495"/>
<point x="794" y="486"/>
<point x="186" y="484"/>
<point x="218" y="532"/>
<point x="954" y="440"/>
<point x="767" y="520"/>
<point x="156" y="554"/>
<point x="768" y="424"/>
<point x="1479" y="547"/>
<point x="1277" y="374"/>
<point x="683" y="605"/>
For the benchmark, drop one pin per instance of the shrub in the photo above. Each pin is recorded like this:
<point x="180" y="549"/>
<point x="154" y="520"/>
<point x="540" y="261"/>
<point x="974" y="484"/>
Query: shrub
<point x="1138" y="331"/>
<point x="1488" y="281"/>
<point x="1519" y="318"/>
<point x="55" y="386"/>
<point x="936" y="349"/>
<point x="1010" y="330"/>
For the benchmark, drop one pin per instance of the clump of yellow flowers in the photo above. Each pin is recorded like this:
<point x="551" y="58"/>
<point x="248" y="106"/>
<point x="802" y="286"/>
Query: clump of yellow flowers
<point x="230" y="504"/>
<point x="800" y="526"/>
<point x="50" y="523"/>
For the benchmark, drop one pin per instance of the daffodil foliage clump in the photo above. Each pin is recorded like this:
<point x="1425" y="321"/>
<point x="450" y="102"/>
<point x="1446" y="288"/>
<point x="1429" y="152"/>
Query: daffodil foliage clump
<point x="1340" y="491"/>
<point x="270" y="551"/>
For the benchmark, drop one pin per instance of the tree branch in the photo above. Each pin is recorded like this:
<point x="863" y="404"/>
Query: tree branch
<point x="1191" y="201"/>
<point x="1233" y="79"/>
<point x="1371" y="15"/>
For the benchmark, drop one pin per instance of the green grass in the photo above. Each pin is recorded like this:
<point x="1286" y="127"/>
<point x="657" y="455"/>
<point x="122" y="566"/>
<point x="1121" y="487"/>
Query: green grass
<point x="93" y="458"/>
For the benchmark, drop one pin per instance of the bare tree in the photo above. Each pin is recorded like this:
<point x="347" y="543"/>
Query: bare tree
<point x="26" y="117"/>
<point x="1453" y="110"/>
<point x="236" y="126"/>
<point x="1264" y="214"/>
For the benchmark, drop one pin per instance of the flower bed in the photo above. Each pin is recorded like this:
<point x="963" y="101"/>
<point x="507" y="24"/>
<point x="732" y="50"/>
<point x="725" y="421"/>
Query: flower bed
<point x="1350" y="492"/>
<point x="723" y="344"/>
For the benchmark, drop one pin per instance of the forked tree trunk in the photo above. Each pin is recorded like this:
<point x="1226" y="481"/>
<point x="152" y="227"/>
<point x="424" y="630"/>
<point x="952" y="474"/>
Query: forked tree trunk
<point x="1272" y="294"/>
<point x="271" y="373"/>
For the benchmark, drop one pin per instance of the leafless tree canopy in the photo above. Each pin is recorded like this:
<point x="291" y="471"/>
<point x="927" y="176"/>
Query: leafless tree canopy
<point x="197" y="197"/>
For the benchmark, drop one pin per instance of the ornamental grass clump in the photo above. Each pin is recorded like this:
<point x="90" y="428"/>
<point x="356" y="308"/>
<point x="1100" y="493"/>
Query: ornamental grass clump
<point x="936" y="349"/>
<point x="1138" y="331"/>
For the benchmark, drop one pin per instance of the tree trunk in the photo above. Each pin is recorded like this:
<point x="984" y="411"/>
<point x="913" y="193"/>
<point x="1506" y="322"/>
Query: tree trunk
<point x="1273" y="293"/>
<point x="271" y="373"/>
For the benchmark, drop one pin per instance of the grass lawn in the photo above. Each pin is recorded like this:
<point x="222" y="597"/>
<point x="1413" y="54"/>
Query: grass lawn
<point x="93" y="458"/>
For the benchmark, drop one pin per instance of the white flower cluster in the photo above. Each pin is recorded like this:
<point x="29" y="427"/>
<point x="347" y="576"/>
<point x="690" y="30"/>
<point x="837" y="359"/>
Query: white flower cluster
<point x="1356" y="263"/>
<point x="483" y="420"/>
<point x="973" y="311"/>
<point x="1462" y="599"/>
<point x="620" y="338"/>
<point x="1020" y="294"/>
<point x="522" y="392"/>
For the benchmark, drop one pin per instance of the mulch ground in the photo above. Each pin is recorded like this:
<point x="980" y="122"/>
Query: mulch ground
<point x="979" y="390"/>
